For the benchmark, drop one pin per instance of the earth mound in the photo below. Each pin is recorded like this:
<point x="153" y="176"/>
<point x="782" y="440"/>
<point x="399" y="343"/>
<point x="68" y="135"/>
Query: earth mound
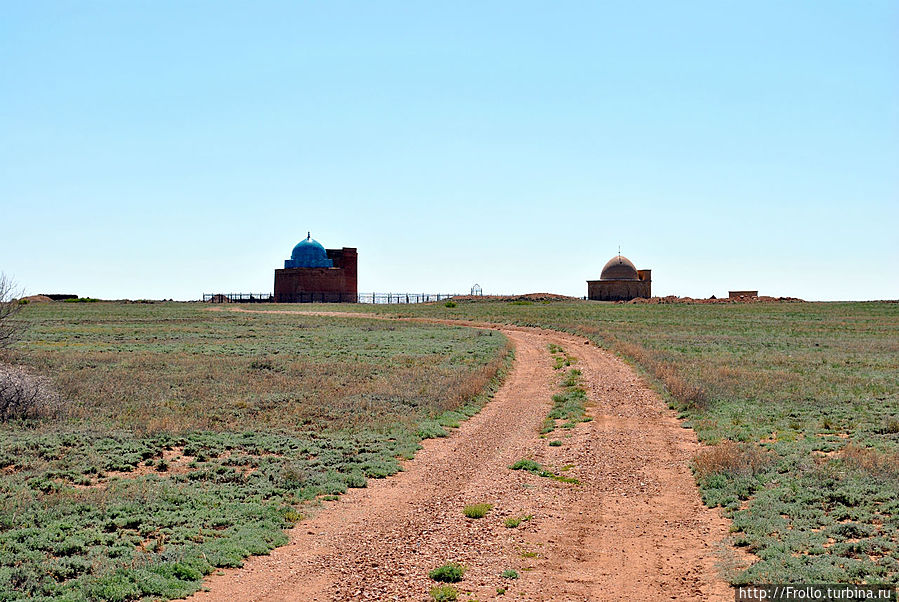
<point x="675" y="299"/>
<point x="524" y="297"/>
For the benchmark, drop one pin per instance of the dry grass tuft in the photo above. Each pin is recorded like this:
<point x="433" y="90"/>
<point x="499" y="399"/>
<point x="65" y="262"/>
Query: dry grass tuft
<point x="687" y="393"/>
<point x="879" y="464"/>
<point x="730" y="458"/>
<point x="692" y="396"/>
<point x="477" y="510"/>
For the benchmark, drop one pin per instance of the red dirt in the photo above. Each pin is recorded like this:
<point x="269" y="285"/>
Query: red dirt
<point x="634" y="529"/>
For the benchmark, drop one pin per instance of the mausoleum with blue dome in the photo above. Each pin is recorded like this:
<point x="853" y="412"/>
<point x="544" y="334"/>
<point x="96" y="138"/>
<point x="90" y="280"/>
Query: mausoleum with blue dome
<point x="316" y="274"/>
<point x="308" y="253"/>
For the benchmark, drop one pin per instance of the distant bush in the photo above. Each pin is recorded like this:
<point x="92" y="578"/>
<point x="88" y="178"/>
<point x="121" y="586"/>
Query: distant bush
<point x="450" y="304"/>
<point x="23" y="395"/>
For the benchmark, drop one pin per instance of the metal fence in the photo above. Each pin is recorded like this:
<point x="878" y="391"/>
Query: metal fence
<point x="238" y="298"/>
<point x="381" y="298"/>
<point x="404" y="297"/>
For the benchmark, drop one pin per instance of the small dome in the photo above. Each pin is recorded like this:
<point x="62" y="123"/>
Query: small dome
<point x="309" y="253"/>
<point x="619" y="268"/>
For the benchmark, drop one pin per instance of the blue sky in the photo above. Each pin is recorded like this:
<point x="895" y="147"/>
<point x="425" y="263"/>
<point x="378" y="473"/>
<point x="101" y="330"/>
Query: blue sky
<point x="167" y="149"/>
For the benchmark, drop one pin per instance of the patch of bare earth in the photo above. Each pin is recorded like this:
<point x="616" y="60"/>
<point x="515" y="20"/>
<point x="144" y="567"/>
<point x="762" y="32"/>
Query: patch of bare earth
<point x="633" y="529"/>
<point x="175" y="463"/>
<point x="175" y="460"/>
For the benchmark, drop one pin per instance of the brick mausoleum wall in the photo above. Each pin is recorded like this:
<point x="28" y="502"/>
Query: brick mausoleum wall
<point x="346" y="259"/>
<point x="618" y="290"/>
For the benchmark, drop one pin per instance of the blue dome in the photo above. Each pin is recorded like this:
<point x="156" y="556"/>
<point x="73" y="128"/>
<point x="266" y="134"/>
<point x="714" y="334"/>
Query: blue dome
<point x="309" y="254"/>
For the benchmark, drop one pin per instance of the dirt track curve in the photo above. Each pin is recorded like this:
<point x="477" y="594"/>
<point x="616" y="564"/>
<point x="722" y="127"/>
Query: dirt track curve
<point x="634" y="529"/>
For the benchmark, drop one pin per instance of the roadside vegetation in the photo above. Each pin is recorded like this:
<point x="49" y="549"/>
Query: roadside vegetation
<point x="444" y="593"/>
<point x="797" y="405"/>
<point x="190" y="439"/>
<point x="450" y="572"/>
<point x="534" y="467"/>
<point x="513" y="521"/>
<point x="477" y="510"/>
<point x="569" y="406"/>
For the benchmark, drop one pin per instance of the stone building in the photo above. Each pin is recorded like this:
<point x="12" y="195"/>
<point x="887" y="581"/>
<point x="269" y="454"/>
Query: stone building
<point x="620" y="281"/>
<point x="315" y="274"/>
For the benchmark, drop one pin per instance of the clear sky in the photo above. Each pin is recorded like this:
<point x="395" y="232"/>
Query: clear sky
<point x="154" y="149"/>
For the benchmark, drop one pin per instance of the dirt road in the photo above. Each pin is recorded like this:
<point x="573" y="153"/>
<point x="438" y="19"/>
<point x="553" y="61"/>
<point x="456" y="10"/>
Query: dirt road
<point x="634" y="529"/>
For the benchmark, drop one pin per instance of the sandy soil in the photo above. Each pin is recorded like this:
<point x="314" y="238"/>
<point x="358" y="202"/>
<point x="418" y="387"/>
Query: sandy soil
<point x="634" y="529"/>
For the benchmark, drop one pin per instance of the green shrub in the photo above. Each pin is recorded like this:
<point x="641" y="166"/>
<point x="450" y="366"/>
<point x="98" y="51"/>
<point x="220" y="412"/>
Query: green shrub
<point x="525" y="464"/>
<point x="450" y="572"/>
<point x="450" y="304"/>
<point x="117" y="587"/>
<point x="431" y="429"/>
<point x="555" y="443"/>
<point x="355" y="479"/>
<point x="509" y="574"/>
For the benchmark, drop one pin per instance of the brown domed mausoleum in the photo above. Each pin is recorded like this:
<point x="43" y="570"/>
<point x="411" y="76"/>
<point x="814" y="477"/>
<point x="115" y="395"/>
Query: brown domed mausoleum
<point x="620" y="281"/>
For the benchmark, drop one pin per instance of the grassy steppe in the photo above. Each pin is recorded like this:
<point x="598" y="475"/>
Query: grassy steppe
<point x="798" y="404"/>
<point x="193" y="437"/>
